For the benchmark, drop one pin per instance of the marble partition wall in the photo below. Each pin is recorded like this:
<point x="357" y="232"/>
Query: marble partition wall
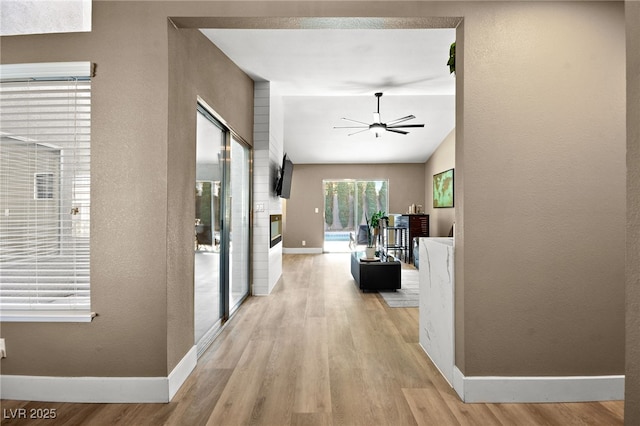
<point x="436" y="303"/>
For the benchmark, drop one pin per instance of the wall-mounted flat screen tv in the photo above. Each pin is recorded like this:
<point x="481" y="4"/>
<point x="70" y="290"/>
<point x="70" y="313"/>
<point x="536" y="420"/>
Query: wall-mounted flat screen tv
<point x="443" y="189"/>
<point x="283" y="188"/>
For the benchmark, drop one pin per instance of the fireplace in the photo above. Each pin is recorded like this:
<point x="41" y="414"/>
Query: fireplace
<point x="276" y="229"/>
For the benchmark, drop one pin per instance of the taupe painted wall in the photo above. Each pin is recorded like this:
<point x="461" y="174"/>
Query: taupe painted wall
<point x="128" y="213"/>
<point x="632" y="390"/>
<point x="406" y="186"/>
<point x="196" y="68"/>
<point x="544" y="197"/>
<point x="444" y="158"/>
<point x="143" y="165"/>
<point x="540" y="147"/>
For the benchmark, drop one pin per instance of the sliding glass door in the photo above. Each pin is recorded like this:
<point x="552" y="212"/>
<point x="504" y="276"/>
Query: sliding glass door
<point x="348" y="202"/>
<point x="222" y="225"/>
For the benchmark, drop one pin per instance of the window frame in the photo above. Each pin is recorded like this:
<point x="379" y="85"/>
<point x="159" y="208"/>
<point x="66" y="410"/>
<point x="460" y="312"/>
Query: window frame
<point x="38" y="308"/>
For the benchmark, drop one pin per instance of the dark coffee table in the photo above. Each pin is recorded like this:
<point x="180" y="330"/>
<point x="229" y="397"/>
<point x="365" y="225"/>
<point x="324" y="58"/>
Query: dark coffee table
<point x="376" y="275"/>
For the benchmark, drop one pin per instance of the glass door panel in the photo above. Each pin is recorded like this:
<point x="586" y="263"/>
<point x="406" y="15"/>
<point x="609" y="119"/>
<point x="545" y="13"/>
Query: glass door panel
<point x="338" y="214"/>
<point x="210" y="143"/>
<point x="239" y="223"/>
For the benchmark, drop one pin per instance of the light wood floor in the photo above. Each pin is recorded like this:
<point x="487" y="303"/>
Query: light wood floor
<point x="319" y="352"/>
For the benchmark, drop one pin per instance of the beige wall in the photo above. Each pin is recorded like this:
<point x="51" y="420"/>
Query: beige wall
<point x="196" y="68"/>
<point x="540" y="146"/>
<point x="632" y="391"/>
<point x="128" y="241"/>
<point x="141" y="250"/>
<point x="444" y="158"/>
<point x="406" y="186"/>
<point x="543" y="190"/>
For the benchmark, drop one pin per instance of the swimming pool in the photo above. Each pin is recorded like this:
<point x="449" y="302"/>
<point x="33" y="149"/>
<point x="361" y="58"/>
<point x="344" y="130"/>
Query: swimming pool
<point x="336" y="236"/>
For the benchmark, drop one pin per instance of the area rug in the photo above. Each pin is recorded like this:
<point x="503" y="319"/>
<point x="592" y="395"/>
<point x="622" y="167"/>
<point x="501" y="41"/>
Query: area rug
<point x="409" y="295"/>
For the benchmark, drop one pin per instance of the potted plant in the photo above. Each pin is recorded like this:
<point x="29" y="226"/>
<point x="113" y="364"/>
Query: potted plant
<point x="373" y="225"/>
<point x="370" y="251"/>
<point x="452" y="58"/>
<point x="376" y="217"/>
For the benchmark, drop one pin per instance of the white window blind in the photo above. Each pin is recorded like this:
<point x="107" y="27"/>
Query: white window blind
<point x="44" y="193"/>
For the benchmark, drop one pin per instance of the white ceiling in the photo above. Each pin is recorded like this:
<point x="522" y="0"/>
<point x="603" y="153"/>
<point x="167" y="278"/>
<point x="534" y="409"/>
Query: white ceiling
<point x="323" y="75"/>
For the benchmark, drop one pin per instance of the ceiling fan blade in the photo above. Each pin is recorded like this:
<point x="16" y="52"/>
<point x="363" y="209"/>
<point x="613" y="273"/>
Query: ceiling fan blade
<point x="402" y="132"/>
<point x="405" y="125"/>
<point x="400" y="120"/>
<point x="377" y="126"/>
<point x="359" y="131"/>
<point x="355" y="121"/>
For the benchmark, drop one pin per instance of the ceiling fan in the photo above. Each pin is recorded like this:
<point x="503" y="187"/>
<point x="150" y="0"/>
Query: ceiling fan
<point x="377" y="127"/>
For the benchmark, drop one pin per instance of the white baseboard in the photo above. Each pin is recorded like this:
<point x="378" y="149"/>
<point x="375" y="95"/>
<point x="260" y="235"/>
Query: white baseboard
<point x="300" y="250"/>
<point x="538" y="389"/>
<point x="181" y="371"/>
<point x="99" y="389"/>
<point x="458" y="382"/>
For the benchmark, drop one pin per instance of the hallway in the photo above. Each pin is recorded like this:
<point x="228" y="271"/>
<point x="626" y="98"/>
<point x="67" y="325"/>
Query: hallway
<point x="319" y="352"/>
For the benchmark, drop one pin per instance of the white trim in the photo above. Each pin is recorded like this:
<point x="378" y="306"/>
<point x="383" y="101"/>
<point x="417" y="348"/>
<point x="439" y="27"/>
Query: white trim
<point x="182" y="371"/>
<point x="538" y="389"/>
<point x="99" y="389"/>
<point x="45" y="70"/>
<point x="46" y="316"/>
<point x="458" y="382"/>
<point x="300" y="250"/>
<point x="85" y="389"/>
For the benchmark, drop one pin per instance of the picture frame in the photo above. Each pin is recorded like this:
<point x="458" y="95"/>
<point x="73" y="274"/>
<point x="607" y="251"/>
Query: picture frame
<point x="443" y="189"/>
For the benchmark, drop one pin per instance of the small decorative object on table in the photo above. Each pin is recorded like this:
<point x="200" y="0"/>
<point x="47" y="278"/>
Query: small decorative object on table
<point x="370" y="252"/>
<point x="370" y="259"/>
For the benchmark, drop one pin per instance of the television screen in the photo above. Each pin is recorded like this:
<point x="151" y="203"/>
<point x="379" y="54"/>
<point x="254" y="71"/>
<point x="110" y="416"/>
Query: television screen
<point x="284" y="183"/>
<point x="443" y="189"/>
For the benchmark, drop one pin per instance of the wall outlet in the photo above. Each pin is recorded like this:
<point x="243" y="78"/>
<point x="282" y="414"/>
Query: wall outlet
<point x="316" y="210"/>
<point x="3" y="349"/>
<point x="304" y="243"/>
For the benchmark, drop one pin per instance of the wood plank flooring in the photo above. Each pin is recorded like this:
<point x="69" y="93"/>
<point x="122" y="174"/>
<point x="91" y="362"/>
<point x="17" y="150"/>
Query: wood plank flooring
<point x="319" y="352"/>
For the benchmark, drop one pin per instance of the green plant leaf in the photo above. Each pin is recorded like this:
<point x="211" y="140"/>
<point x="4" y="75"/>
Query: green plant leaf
<point x="452" y="58"/>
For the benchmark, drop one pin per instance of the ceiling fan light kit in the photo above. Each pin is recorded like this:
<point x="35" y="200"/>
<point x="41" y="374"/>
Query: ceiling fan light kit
<point x="378" y="127"/>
